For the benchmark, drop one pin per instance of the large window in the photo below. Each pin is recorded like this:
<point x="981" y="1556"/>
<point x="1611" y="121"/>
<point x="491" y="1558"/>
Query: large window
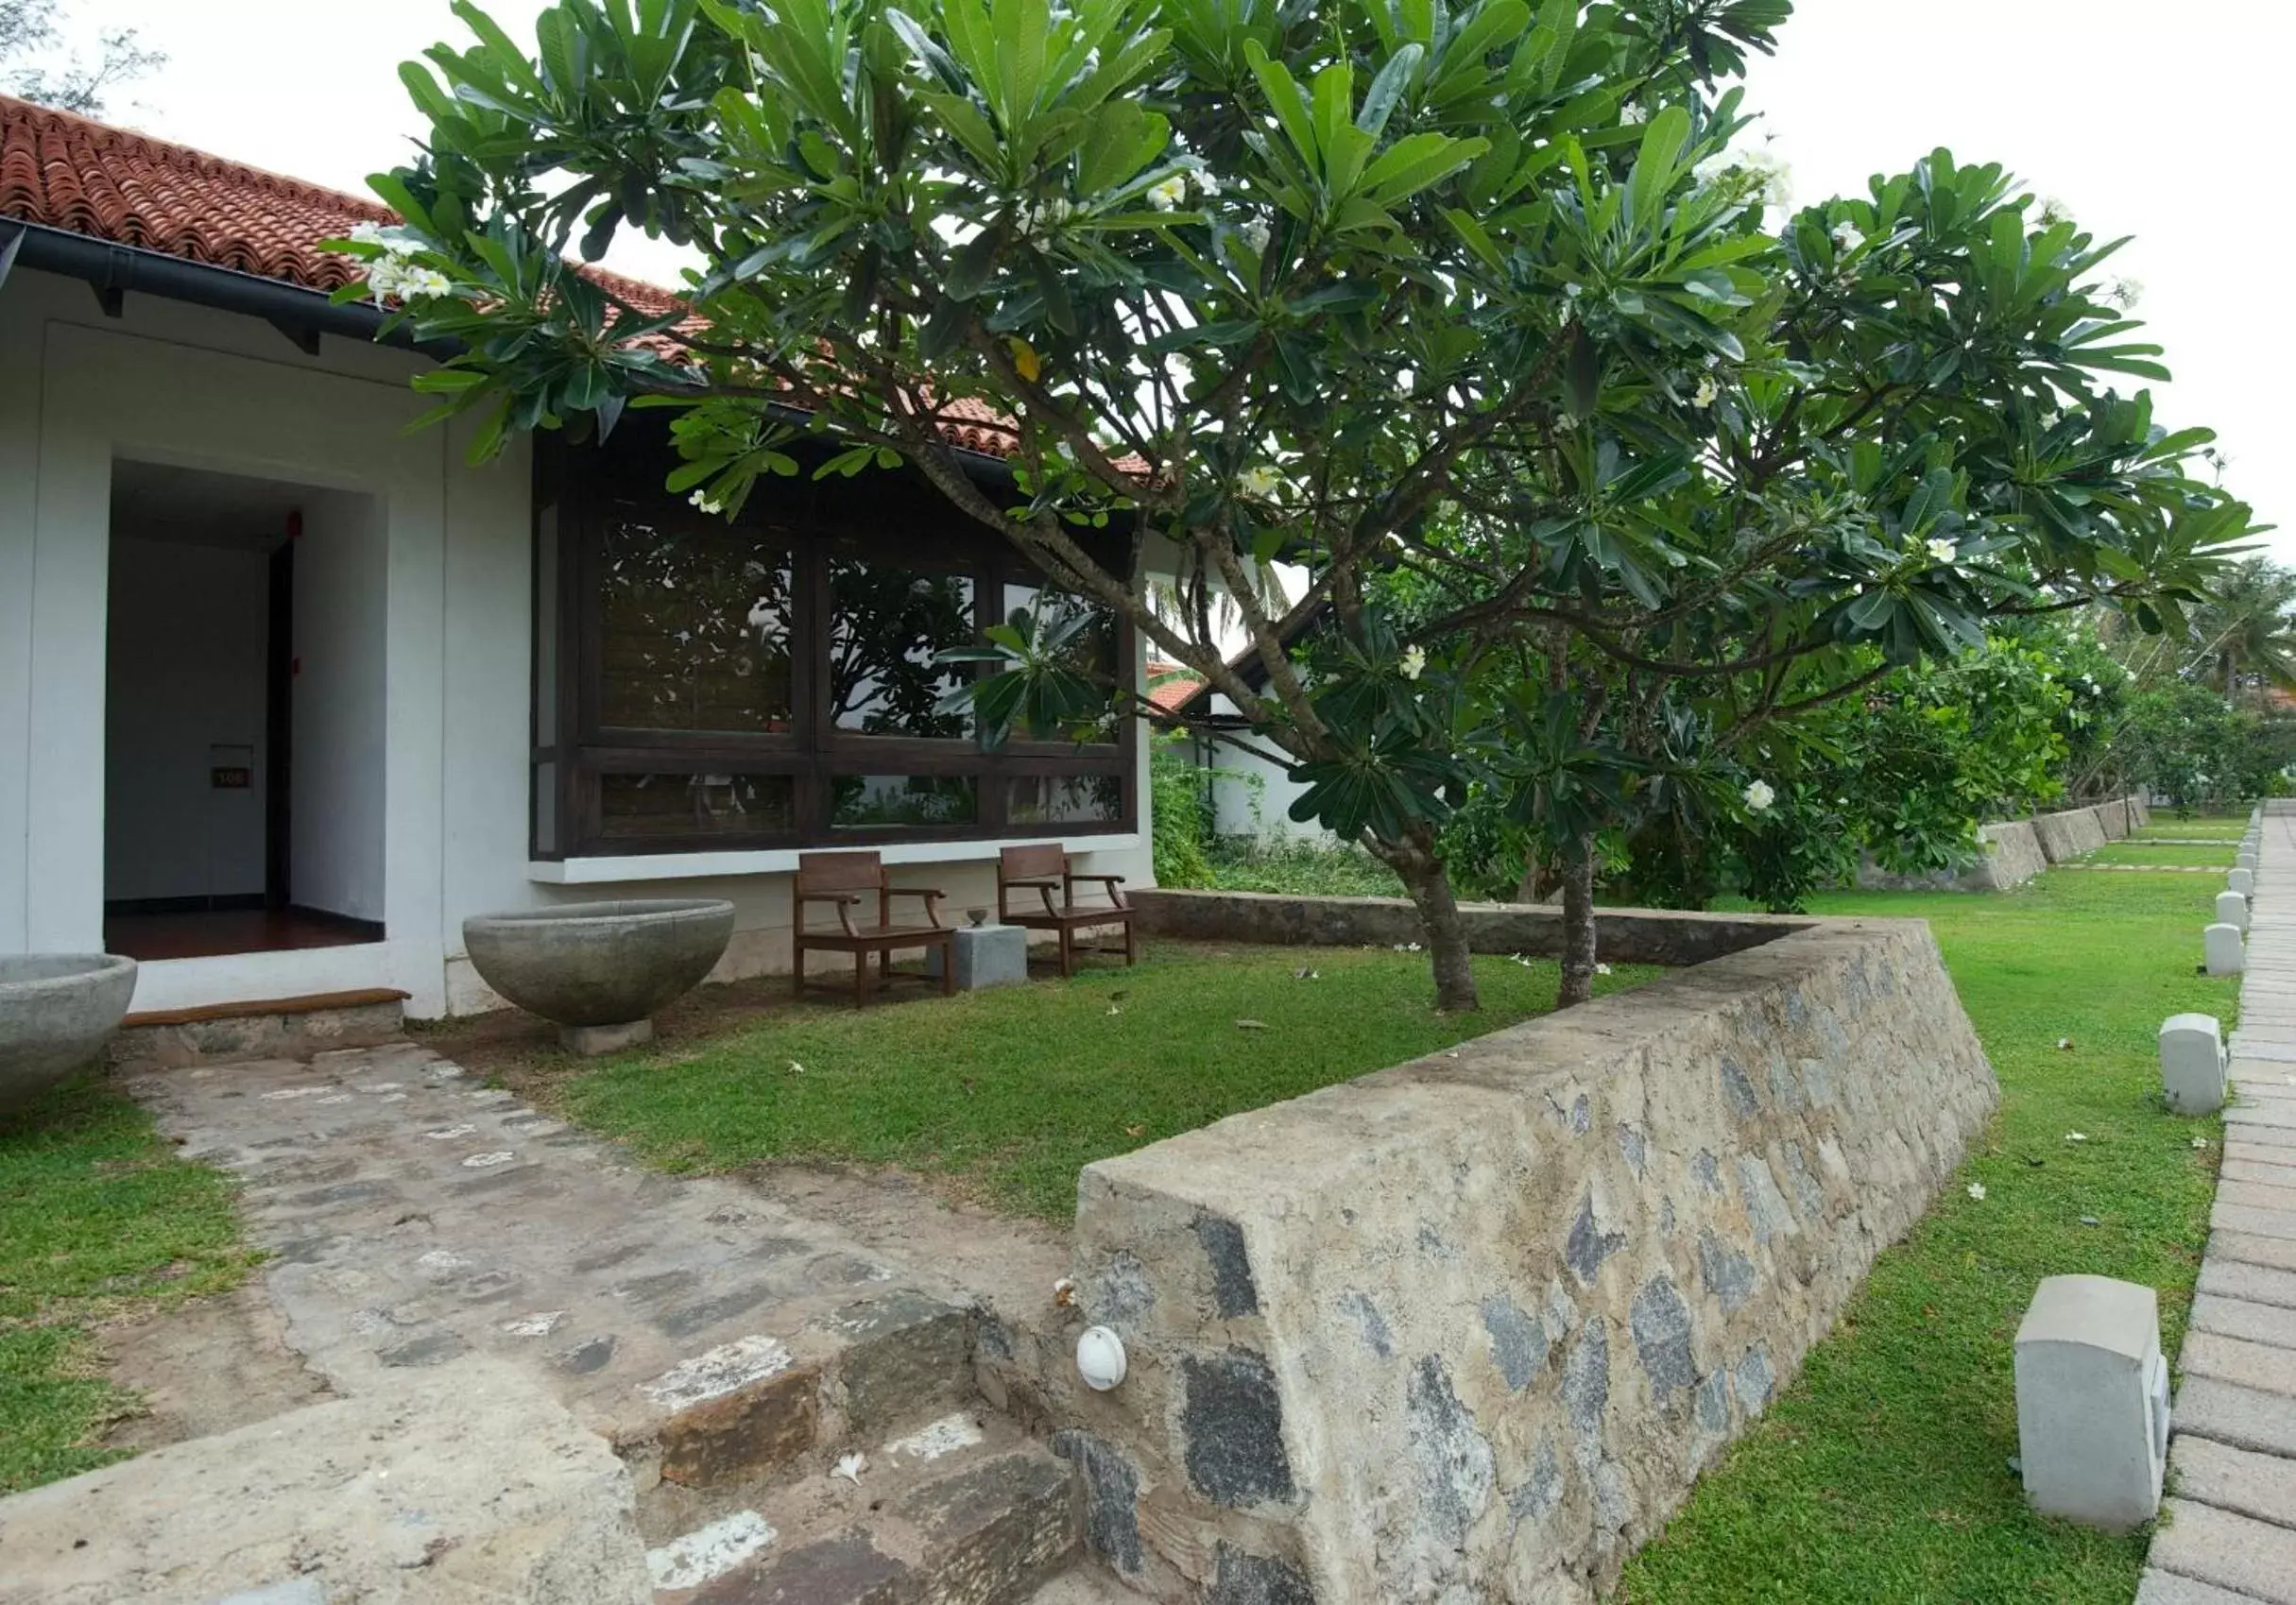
<point x="700" y="687"/>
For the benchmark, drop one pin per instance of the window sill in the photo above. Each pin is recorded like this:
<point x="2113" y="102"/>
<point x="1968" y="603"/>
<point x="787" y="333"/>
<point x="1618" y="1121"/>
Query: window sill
<point x="783" y="860"/>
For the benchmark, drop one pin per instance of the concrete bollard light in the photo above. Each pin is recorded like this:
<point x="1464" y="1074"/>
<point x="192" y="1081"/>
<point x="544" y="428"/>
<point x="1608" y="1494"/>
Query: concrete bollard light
<point x="2093" y="1401"/>
<point x="2192" y="1063"/>
<point x="2221" y="950"/>
<point x="2242" y="881"/>
<point x="2231" y="909"/>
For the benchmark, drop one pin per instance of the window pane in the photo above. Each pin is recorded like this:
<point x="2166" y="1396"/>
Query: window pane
<point x="1091" y="637"/>
<point x="885" y="626"/>
<point x="695" y="629"/>
<point x="545" y="784"/>
<point x="861" y="802"/>
<point x="1067" y="799"/>
<point x="696" y="805"/>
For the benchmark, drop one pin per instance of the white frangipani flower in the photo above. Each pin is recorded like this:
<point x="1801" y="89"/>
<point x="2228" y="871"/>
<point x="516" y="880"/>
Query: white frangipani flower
<point x="1169" y="193"/>
<point x="1941" y="549"/>
<point x="2125" y="293"/>
<point x="1414" y="662"/>
<point x="1254" y="231"/>
<point x="1759" y="795"/>
<point x="1977" y="1190"/>
<point x="1846" y="237"/>
<point x="1706" y="394"/>
<point x="1260" y="482"/>
<point x="702" y="498"/>
<point x="850" y="1467"/>
<point x="1601" y="970"/>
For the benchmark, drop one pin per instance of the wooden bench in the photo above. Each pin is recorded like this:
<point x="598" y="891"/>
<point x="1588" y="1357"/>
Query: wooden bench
<point x="846" y="881"/>
<point x="1043" y="868"/>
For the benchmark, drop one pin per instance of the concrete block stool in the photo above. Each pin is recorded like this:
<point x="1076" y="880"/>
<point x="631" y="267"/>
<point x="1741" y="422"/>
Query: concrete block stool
<point x="2221" y="949"/>
<point x="2231" y="909"/>
<point x="2093" y="1401"/>
<point x="2192" y="1063"/>
<point x="986" y="955"/>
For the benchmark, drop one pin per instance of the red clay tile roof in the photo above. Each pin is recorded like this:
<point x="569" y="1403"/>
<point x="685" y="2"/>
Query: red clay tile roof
<point x="67" y="171"/>
<point x="1166" y="694"/>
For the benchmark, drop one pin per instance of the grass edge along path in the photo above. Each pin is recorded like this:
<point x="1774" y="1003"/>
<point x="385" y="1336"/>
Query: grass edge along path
<point x="1884" y="1472"/>
<point x="98" y="1218"/>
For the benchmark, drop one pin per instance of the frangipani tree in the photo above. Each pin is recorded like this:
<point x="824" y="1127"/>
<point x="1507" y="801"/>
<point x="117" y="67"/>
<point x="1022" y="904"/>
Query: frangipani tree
<point x="1377" y="288"/>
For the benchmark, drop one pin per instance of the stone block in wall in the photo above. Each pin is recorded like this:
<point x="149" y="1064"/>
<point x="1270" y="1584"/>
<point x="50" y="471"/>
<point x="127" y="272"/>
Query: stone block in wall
<point x="2011" y="856"/>
<point x="2068" y="834"/>
<point x="2113" y="819"/>
<point x="1470" y="1327"/>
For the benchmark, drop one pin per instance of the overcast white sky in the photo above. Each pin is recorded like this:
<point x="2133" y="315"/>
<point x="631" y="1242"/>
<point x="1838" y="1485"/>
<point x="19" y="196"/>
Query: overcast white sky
<point x="2153" y="118"/>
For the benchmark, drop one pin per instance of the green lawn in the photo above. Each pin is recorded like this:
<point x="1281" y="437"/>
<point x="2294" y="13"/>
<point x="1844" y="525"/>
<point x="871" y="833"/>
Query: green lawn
<point x="2162" y="853"/>
<point x="96" y="1217"/>
<point x="2227" y="828"/>
<point x="1883" y="1473"/>
<point x="1007" y="1093"/>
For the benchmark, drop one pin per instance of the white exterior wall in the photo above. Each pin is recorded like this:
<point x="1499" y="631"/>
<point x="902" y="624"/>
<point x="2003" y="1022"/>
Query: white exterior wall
<point x="1242" y="808"/>
<point x="185" y="385"/>
<point x="340" y="762"/>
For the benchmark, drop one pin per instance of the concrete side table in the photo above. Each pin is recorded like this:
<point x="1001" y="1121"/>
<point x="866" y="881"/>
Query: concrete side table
<point x="2093" y="1401"/>
<point x="986" y="955"/>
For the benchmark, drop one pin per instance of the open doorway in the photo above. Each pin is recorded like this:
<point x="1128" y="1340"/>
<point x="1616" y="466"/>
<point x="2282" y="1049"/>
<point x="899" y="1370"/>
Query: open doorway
<point x="243" y="808"/>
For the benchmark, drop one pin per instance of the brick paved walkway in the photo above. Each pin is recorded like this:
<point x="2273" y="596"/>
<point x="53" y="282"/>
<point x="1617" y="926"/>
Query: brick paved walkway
<point x="2230" y="1533"/>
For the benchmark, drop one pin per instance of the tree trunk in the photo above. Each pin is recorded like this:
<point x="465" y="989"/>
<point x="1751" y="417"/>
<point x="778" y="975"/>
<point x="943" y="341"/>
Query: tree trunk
<point x="1429" y="883"/>
<point x="1578" y="927"/>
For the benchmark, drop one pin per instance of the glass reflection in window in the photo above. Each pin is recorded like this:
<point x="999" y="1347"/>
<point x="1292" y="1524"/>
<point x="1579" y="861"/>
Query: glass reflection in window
<point x="695" y="805"/>
<point x="1091" y="636"/>
<point x="869" y="802"/>
<point x="695" y="629"/>
<point x="885" y="624"/>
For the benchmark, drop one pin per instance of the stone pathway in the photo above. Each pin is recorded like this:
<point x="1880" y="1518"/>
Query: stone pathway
<point x="2230" y="1533"/>
<point x="734" y="1351"/>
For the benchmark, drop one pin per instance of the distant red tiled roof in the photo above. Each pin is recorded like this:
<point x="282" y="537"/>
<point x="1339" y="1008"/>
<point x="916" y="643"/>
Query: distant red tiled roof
<point x="1164" y="694"/>
<point x="67" y="171"/>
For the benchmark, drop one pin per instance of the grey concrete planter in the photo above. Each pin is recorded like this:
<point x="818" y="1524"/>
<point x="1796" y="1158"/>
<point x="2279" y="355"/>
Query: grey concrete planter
<point x="599" y="970"/>
<point x="56" y="1010"/>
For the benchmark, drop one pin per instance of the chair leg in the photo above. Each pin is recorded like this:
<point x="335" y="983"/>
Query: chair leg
<point x="797" y="969"/>
<point x="1132" y="943"/>
<point x="861" y="977"/>
<point x="948" y="967"/>
<point x="1068" y="953"/>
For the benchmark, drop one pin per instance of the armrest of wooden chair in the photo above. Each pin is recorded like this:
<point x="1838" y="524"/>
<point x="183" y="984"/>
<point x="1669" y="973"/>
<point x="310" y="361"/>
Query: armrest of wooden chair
<point x="845" y="901"/>
<point x="1113" y="882"/>
<point x="931" y="897"/>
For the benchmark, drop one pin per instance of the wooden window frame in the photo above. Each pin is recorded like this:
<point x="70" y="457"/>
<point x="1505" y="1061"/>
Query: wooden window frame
<point x="577" y="499"/>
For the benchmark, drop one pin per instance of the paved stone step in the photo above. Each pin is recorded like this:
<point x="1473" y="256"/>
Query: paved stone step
<point x="2261" y="1136"/>
<point x="704" y="1329"/>
<point x="2277" y="1252"/>
<point x="2232" y="1551"/>
<point x="2272" y="1326"/>
<point x="2231" y="1216"/>
<point x="2235" y="1415"/>
<point x="2238" y="1480"/>
<point x="2256" y="1195"/>
<point x="2276" y="1115"/>
<point x="2165" y="1588"/>
<point x="2257" y="1367"/>
<point x="2265" y="1171"/>
<point x="963" y="1512"/>
<point x="2252" y="1283"/>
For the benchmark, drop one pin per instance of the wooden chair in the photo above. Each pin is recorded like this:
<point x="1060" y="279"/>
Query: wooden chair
<point x="1042" y="869"/>
<point x="845" y="880"/>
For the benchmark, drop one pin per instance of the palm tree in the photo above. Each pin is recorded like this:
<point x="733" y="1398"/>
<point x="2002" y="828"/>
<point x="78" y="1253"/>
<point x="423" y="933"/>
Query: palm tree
<point x="2243" y="632"/>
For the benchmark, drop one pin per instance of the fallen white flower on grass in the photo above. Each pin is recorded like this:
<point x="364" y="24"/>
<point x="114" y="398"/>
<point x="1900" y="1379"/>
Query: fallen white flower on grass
<point x="1977" y="1190"/>
<point x="2064" y="1045"/>
<point x="850" y="1467"/>
<point x="1114" y="1010"/>
<point x="1601" y="970"/>
<point x="2199" y="1142"/>
<point x="2076" y="1136"/>
<point x="796" y="1068"/>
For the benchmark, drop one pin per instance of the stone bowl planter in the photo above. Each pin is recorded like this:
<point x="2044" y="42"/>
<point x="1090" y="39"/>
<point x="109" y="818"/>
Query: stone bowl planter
<point x="56" y="1010"/>
<point x="600" y="970"/>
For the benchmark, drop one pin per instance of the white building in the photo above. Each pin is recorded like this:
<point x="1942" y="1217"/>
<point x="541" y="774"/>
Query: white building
<point x="286" y="692"/>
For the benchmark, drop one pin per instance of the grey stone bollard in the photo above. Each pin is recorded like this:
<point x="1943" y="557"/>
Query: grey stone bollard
<point x="2093" y="1401"/>
<point x="2242" y="881"/>
<point x="2221" y="950"/>
<point x="2231" y="909"/>
<point x="986" y="955"/>
<point x="2245" y="860"/>
<point x="2192" y="1063"/>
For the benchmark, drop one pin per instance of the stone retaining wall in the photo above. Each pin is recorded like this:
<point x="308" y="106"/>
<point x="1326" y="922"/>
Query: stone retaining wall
<point x="2113" y="818"/>
<point x="1468" y="1328"/>
<point x="2069" y="834"/>
<point x="1625" y="936"/>
<point x="2013" y="857"/>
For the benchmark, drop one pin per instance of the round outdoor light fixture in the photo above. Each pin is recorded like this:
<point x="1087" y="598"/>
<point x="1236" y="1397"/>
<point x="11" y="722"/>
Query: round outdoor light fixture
<point x="1100" y="1358"/>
